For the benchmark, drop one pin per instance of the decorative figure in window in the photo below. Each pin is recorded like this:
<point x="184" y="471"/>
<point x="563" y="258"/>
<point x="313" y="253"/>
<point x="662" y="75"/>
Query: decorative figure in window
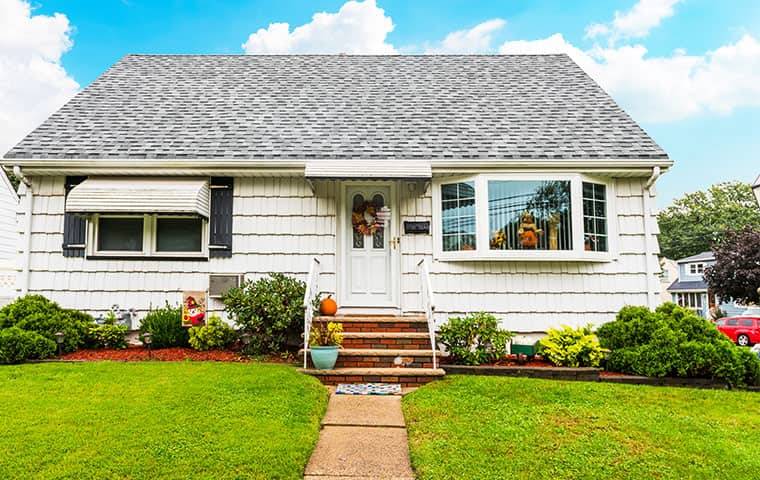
<point x="498" y="240"/>
<point x="528" y="232"/>
<point x="554" y="231"/>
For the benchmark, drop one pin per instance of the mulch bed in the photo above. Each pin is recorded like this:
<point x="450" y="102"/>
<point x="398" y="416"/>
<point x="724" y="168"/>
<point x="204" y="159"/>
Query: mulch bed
<point x="137" y="354"/>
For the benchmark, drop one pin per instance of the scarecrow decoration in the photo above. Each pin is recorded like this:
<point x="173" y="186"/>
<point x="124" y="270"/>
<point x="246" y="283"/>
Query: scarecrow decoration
<point x="193" y="309"/>
<point x="528" y="232"/>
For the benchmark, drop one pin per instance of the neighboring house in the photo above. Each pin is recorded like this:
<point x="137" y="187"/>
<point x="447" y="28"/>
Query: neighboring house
<point x="691" y="291"/>
<point x="169" y="169"/>
<point x="8" y="239"/>
<point x="668" y="273"/>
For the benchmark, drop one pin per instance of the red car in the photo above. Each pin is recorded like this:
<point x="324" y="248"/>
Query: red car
<point x="743" y="331"/>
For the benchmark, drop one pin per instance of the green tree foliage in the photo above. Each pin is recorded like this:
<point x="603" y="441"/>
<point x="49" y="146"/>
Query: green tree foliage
<point x="700" y="219"/>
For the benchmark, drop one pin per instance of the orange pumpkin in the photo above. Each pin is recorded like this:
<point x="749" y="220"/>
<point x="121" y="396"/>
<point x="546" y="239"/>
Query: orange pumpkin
<point x="328" y="306"/>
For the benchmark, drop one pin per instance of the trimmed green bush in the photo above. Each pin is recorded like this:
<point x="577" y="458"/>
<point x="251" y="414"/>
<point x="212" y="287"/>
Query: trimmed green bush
<point x="109" y="334"/>
<point x="474" y="339"/>
<point x="35" y="313"/>
<point x="270" y="309"/>
<point x="572" y="347"/>
<point x="214" y="335"/>
<point x="17" y="345"/>
<point x="165" y="327"/>
<point x="674" y="341"/>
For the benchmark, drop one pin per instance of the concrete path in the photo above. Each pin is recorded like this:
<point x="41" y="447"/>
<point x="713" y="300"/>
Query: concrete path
<point x="362" y="437"/>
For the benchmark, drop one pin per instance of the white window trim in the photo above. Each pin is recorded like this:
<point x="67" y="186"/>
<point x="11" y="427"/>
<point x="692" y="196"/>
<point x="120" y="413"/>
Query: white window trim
<point x="482" y="238"/>
<point x="697" y="267"/>
<point x="150" y="239"/>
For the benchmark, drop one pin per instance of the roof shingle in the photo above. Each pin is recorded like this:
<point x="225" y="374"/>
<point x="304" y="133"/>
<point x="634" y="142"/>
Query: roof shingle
<point x="340" y="106"/>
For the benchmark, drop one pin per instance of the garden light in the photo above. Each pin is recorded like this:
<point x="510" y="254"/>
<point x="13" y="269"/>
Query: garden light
<point x="59" y="337"/>
<point x="147" y="340"/>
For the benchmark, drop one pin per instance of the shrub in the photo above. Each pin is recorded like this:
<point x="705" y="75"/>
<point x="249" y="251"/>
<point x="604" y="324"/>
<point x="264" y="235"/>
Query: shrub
<point x="214" y="335"/>
<point x="270" y="309"/>
<point x="165" y="327"/>
<point x="107" y="335"/>
<point x="35" y="313"/>
<point x="674" y="341"/>
<point x="17" y="345"/>
<point x="572" y="347"/>
<point x="325" y="334"/>
<point x="474" y="339"/>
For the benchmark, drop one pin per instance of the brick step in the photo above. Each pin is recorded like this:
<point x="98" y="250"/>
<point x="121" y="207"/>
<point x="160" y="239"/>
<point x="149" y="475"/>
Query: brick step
<point x="407" y="377"/>
<point x="387" y="340"/>
<point x="382" y="358"/>
<point x="379" y="324"/>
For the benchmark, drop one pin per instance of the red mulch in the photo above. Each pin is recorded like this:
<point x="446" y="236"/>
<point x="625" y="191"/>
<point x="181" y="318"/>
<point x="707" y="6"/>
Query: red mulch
<point x="605" y="373"/>
<point x="136" y="354"/>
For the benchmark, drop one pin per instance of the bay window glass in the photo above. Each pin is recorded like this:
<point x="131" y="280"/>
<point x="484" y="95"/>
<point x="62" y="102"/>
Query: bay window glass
<point x="530" y="215"/>
<point x="595" y="217"/>
<point x="458" y="212"/>
<point x="179" y="234"/>
<point x="120" y="234"/>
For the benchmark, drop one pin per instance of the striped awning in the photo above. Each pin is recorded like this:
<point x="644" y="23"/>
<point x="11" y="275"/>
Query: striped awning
<point x="363" y="169"/>
<point x="140" y="195"/>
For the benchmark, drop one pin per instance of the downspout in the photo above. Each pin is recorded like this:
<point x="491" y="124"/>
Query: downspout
<point x="648" y="237"/>
<point x="28" y="209"/>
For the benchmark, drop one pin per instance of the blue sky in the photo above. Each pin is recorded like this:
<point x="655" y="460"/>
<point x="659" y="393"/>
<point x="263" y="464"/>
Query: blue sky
<point x="714" y="138"/>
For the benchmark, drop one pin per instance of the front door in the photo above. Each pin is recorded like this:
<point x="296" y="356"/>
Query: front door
<point x="368" y="272"/>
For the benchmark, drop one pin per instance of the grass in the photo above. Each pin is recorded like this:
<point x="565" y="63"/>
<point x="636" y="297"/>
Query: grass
<point x="157" y="420"/>
<point x="501" y="427"/>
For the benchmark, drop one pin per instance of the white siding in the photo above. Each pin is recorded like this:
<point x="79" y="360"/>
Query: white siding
<point x="532" y="296"/>
<point x="279" y="224"/>
<point x="8" y="239"/>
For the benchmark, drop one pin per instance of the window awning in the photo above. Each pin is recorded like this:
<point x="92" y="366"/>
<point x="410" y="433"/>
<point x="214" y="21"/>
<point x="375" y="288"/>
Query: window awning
<point x="382" y="168"/>
<point x="140" y="195"/>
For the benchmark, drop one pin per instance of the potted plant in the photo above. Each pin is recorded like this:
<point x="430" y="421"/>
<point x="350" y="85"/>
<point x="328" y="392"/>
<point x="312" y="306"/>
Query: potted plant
<point x="324" y="341"/>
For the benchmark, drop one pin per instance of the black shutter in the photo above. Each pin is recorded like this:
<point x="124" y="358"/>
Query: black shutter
<point x="74" y="226"/>
<point x="220" y="221"/>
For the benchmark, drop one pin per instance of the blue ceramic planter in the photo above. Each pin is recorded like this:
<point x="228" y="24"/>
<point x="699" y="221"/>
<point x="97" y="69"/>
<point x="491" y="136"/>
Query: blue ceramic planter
<point x="324" y="357"/>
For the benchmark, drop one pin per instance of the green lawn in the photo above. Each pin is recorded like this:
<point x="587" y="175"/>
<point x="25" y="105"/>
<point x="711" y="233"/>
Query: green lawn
<point x="499" y="427"/>
<point x="157" y="420"/>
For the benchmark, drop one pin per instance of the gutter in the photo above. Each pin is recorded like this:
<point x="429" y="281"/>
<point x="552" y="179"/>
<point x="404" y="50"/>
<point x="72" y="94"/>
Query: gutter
<point x="649" y="193"/>
<point x="29" y="208"/>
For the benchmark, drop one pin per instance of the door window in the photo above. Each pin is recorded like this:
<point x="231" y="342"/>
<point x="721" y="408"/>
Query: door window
<point x="378" y="238"/>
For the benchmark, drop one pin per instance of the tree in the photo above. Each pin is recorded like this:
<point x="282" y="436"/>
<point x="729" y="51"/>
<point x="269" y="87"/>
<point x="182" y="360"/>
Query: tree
<point x="700" y="219"/>
<point x="736" y="273"/>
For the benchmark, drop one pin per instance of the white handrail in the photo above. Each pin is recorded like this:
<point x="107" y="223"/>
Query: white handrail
<point x="428" y="304"/>
<point x="312" y="289"/>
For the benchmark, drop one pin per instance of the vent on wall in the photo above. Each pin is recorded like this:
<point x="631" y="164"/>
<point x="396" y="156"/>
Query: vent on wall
<point x="218" y="285"/>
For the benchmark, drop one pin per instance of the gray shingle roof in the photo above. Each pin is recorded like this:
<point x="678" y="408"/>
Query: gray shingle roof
<point x="696" y="285"/>
<point x="704" y="256"/>
<point x="340" y="106"/>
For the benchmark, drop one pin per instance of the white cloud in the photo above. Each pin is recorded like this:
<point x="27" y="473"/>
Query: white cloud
<point x="475" y="40"/>
<point x="660" y="89"/>
<point x="636" y="22"/>
<point x="358" y="28"/>
<point x="33" y="84"/>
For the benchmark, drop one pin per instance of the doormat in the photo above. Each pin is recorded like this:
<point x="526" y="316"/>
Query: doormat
<point x="368" y="389"/>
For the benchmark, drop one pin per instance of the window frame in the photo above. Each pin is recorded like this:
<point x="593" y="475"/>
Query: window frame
<point x="482" y="233"/>
<point x="698" y="267"/>
<point x="150" y="238"/>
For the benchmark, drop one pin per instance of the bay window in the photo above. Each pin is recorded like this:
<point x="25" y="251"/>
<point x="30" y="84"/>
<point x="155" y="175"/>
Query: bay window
<point x="522" y="216"/>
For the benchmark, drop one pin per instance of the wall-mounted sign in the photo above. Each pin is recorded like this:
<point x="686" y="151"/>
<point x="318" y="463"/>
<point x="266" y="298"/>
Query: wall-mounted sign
<point x="417" y="228"/>
<point x="193" y="309"/>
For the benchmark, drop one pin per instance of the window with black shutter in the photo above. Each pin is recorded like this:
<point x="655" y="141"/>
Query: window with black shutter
<point x="74" y="226"/>
<point x="220" y="219"/>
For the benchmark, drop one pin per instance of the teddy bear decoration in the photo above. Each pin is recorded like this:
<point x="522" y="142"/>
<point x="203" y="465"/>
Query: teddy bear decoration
<point x="528" y="232"/>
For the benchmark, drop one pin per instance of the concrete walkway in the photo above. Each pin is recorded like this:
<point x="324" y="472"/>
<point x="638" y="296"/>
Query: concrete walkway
<point x="362" y="437"/>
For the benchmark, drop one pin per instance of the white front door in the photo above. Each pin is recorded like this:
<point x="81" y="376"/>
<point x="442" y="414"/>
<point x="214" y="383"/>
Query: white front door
<point x="368" y="254"/>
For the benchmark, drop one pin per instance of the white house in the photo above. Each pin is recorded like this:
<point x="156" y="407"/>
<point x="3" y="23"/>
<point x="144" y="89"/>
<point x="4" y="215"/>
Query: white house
<point x="8" y="239"/>
<point x="524" y="187"/>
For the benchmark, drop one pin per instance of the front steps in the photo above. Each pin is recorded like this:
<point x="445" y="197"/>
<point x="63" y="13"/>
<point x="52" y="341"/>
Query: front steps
<point x="381" y="349"/>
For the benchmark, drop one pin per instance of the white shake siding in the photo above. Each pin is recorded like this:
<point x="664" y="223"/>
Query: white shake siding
<point x="8" y="241"/>
<point x="532" y="296"/>
<point x="278" y="226"/>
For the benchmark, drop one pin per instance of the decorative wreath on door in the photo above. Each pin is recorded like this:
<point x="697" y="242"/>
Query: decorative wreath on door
<point x="364" y="219"/>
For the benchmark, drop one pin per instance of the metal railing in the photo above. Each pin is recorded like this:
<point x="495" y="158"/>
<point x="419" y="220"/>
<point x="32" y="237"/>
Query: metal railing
<point x="428" y="304"/>
<point x="312" y="289"/>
